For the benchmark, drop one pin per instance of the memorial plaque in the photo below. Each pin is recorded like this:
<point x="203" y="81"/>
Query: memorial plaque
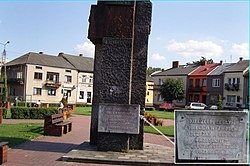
<point x="119" y="118"/>
<point x="210" y="135"/>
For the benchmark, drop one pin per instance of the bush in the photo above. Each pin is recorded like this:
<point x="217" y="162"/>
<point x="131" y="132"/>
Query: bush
<point x="31" y="112"/>
<point x="4" y="113"/>
<point x="150" y="108"/>
<point x="162" y="109"/>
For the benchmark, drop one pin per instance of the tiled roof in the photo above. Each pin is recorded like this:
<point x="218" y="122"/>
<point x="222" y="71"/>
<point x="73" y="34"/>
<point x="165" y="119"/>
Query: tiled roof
<point x="238" y="67"/>
<point x="149" y="79"/>
<point x="180" y="71"/>
<point x="220" y="69"/>
<point x="41" y="59"/>
<point x="81" y="63"/>
<point x="204" y="70"/>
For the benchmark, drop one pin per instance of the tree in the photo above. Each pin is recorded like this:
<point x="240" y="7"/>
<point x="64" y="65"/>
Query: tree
<point x="150" y="70"/>
<point x="172" y="89"/>
<point x="201" y="61"/>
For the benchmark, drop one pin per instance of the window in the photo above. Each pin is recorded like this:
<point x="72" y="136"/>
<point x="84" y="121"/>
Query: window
<point x="39" y="67"/>
<point x="90" y="79"/>
<point x="147" y="93"/>
<point x="81" y="95"/>
<point x="216" y="83"/>
<point x="197" y="82"/>
<point x="84" y="78"/>
<point x="204" y="82"/>
<point x="66" y="92"/>
<point x="230" y="99"/>
<point x="238" y="99"/>
<point x="233" y="81"/>
<point x="68" y="71"/>
<point x="191" y="82"/>
<point x="52" y="76"/>
<point x="51" y="92"/>
<point x="196" y="98"/>
<point x="37" y="91"/>
<point x="19" y="75"/>
<point x="67" y="78"/>
<point x="38" y="76"/>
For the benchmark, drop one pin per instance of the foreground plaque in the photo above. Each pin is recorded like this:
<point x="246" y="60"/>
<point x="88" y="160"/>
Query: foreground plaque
<point x="210" y="135"/>
<point x="119" y="118"/>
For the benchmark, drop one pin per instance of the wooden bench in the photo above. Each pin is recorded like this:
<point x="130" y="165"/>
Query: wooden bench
<point x="3" y="152"/>
<point x="55" y="125"/>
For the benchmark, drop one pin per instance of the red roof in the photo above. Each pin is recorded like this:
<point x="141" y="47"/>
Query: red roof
<point x="204" y="70"/>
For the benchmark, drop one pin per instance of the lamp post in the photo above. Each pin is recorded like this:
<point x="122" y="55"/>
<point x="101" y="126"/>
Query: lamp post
<point x="5" y="74"/>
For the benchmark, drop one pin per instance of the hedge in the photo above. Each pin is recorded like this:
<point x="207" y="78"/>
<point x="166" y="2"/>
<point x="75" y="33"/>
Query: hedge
<point x="31" y="112"/>
<point x="4" y="113"/>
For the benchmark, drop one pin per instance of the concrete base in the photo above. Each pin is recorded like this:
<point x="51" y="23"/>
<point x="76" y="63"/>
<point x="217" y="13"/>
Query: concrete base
<point x="151" y="155"/>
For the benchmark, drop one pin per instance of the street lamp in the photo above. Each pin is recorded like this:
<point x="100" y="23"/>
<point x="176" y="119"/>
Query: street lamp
<point x="5" y="74"/>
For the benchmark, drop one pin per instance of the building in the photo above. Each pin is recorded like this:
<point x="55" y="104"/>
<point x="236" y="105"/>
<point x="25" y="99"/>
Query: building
<point x="84" y="86"/>
<point x="38" y="76"/>
<point x="215" y="83"/>
<point x="149" y="92"/>
<point x="176" y="72"/>
<point x="235" y="86"/>
<point x="197" y="83"/>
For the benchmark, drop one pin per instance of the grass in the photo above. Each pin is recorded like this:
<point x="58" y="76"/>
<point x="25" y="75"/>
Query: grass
<point x="83" y="111"/>
<point x="166" y="130"/>
<point x="162" y="114"/>
<point x="18" y="133"/>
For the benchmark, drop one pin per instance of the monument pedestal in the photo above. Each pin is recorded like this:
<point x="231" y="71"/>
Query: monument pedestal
<point x="120" y="32"/>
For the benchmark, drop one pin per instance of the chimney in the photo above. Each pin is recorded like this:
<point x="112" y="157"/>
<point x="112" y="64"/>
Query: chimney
<point x="60" y="53"/>
<point x="175" y="64"/>
<point x="40" y="52"/>
<point x="204" y="62"/>
<point x="241" y="58"/>
<point x="80" y="54"/>
<point x="221" y="62"/>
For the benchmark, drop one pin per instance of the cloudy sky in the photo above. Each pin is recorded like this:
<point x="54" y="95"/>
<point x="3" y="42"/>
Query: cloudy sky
<point x="182" y="31"/>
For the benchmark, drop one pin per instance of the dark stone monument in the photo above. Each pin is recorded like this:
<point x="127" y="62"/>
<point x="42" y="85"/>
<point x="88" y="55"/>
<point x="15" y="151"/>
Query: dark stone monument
<point x="210" y="136"/>
<point x="119" y="30"/>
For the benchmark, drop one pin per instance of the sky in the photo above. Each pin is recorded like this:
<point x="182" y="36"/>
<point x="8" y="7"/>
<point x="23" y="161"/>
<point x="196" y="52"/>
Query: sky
<point x="180" y="30"/>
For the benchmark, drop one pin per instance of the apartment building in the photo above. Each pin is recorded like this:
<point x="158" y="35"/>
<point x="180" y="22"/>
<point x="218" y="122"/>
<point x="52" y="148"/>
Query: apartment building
<point x="38" y="76"/>
<point x="176" y="72"/>
<point x="234" y="88"/>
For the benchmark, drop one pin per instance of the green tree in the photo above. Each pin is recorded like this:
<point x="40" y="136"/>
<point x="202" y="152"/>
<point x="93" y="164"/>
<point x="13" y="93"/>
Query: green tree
<point x="150" y="70"/>
<point x="172" y="89"/>
<point x="201" y="61"/>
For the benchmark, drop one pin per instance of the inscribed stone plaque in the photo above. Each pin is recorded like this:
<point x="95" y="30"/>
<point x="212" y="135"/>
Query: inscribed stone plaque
<point x="119" y="118"/>
<point x="210" y="135"/>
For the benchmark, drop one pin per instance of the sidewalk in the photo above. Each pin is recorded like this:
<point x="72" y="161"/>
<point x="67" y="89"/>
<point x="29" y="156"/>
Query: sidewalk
<point x="47" y="150"/>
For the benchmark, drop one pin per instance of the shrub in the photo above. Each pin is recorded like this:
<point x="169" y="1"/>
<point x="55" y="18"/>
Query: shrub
<point x="150" y="108"/>
<point x="31" y="112"/>
<point x="5" y="113"/>
<point x="162" y="109"/>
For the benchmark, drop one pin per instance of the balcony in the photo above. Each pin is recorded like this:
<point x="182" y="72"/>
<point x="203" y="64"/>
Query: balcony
<point x="195" y="89"/>
<point x="232" y="87"/>
<point x="18" y="81"/>
<point x="52" y="84"/>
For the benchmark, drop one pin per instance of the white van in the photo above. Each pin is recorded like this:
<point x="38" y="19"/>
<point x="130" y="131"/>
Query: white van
<point x="196" y="106"/>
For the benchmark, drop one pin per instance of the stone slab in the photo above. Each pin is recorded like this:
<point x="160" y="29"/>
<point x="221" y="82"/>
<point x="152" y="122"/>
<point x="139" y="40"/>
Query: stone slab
<point x="211" y="135"/>
<point x="119" y="118"/>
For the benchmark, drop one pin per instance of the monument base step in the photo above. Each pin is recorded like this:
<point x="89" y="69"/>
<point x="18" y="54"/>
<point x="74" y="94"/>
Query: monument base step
<point x="151" y="155"/>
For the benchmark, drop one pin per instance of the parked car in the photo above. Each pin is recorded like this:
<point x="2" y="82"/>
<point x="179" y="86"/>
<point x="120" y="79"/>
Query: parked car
<point x="196" y="106"/>
<point x="213" y="107"/>
<point x="166" y="107"/>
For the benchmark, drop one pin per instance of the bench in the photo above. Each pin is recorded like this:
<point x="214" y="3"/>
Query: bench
<point x="55" y="125"/>
<point x="3" y="152"/>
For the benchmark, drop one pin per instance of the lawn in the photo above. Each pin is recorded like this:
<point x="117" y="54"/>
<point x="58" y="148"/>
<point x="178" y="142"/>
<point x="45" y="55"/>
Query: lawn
<point x="83" y="111"/>
<point x="166" y="130"/>
<point x="19" y="133"/>
<point x="160" y="114"/>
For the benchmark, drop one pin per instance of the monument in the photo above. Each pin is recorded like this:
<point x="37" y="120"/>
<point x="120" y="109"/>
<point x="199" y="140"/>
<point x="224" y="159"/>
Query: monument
<point x="119" y="30"/>
<point x="210" y="136"/>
